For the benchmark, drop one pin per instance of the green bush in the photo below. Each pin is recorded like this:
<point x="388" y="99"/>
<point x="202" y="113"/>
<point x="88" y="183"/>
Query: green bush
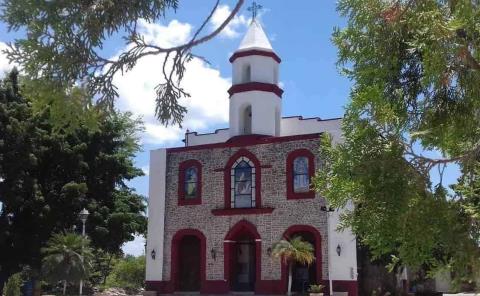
<point x="13" y="287"/>
<point x="128" y="273"/>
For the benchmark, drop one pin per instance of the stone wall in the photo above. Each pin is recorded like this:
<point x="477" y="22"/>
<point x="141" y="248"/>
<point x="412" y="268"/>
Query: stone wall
<point x="270" y="226"/>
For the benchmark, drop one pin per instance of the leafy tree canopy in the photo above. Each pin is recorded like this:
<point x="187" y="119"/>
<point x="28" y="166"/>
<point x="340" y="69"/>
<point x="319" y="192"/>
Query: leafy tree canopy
<point x="64" y="43"/>
<point x="128" y="273"/>
<point x="415" y="66"/>
<point x="48" y="176"/>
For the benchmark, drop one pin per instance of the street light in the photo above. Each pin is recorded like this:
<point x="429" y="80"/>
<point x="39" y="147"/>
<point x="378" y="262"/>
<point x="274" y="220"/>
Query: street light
<point x="329" y="210"/>
<point x="83" y="217"/>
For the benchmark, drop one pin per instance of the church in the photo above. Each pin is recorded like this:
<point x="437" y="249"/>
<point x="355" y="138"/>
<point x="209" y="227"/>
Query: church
<point x="218" y="204"/>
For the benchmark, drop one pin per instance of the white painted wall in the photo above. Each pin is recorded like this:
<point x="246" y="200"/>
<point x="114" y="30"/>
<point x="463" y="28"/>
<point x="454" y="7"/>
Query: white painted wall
<point x="263" y="69"/>
<point x="343" y="267"/>
<point x="156" y="214"/>
<point x="299" y="126"/>
<point x="289" y="126"/>
<point x="264" y="115"/>
<point x="220" y="136"/>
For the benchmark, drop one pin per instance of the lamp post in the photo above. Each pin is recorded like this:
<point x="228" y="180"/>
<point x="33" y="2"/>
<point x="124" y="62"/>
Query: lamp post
<point x="83" y="217"/>
<point x="329" y="210"/>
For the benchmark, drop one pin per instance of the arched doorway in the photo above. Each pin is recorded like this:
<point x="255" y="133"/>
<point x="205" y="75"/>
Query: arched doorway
<point x="242" y="247"/>
<point x="304" y="276"/>
<point x="188" y="260"/>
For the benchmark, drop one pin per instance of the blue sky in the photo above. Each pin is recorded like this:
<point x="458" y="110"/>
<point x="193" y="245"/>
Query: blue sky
<point x="300" y="33"/>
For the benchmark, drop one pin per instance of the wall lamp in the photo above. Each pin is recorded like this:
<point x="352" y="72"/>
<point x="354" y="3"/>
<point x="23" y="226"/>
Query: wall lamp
<point x="153" y="254"/>
<point x="339" y="250"/>
<point x="213" y="252"/>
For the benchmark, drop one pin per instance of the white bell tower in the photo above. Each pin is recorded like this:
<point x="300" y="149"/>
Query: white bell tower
<point x="255" y="98"/>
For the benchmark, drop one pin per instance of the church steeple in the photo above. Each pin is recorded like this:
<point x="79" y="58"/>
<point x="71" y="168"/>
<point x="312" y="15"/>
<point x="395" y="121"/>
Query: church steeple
<point x="255" y="98"/>
<point x="255" y="39"/>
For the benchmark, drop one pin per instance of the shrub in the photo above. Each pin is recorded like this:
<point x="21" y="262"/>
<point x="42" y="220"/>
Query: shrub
<point x="316" y="288"/>
<point x="128" y="273"/>
<point x="13" y="287"/>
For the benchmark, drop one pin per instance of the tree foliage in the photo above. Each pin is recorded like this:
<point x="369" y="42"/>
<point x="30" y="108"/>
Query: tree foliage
<point x="128" y="273"/>
<point x="294" y="250"/>
<point x="48" y="176"/>
<point x="64" y="43"/>
<point x="416" y="74"/>
<point x="415" y="68"/>
<point x="66" y="257"/>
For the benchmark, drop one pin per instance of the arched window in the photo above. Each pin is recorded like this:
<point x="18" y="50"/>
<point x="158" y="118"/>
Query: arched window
<point x="247" y="120"/>
<point x="300" y="170"/>
<point x="301" y="177"/>
<point x="243" y="184"/>
<point x="190" y="183"/>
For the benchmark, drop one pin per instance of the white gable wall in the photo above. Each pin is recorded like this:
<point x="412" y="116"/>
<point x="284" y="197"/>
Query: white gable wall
<point x="156" y="214"/>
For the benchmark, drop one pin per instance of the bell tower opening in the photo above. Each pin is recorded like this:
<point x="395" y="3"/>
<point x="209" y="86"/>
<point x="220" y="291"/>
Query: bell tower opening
<point x="246" y="120"/>
<point x="247" y="73"/>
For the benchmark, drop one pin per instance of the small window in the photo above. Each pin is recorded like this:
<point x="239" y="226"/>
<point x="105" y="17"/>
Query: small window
<point x="190" y="183"/>
<point x="301" y="177"/>
<point x="300" y="170"/>
<point x="191" y="179"/>
<point x="243" y="190"/>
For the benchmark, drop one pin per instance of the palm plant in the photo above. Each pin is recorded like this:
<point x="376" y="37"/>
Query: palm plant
<point x="295" y="250"/>
<point x="63" y="260"/>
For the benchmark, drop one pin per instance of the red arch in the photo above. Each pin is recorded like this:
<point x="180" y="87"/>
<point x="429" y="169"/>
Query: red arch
<point x="174" y="256"/>
<point x="228" y="181"/>
<point x="239" y="229"/>
<point x="318" y="250"/>
<point x="242" y="227"/>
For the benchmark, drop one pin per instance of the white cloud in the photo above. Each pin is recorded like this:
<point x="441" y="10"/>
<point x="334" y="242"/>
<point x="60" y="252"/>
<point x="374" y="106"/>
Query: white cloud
<point x="208" y="104"/>
<point x="239" y="22"/>
<point x="146" y="170"/>
<point x="135" y="247"/>
<point x="5" y="65"/>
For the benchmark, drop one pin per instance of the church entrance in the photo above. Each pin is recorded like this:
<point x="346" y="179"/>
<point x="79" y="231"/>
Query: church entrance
<point x="189" y="264"/>
<point x="243" y="277"/>
<point x="242" y="257"/>
<point x="303" y="276"/>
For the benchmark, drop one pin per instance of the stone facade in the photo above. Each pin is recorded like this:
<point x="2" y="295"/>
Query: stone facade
<point x="270" y="226"/>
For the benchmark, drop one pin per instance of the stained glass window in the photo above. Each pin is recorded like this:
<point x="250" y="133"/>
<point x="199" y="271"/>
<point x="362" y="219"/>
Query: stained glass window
<point x="301" y="178"/>
<point x="243" y="184"/>
<point x="191" y="182"/>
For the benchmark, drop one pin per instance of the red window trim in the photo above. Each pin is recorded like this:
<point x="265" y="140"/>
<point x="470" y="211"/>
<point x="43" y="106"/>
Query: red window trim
<point x="291" y="194"/>
<point x="228" y="182"/>
<point x="182" y="201"/>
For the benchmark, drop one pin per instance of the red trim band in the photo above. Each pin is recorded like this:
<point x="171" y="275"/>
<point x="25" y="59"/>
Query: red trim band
<point x="246" y="211"/>
<point x="255" y="86"/>
<point x="255" y="52"/>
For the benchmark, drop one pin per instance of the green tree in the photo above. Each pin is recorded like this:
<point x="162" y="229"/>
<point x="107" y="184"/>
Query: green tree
<point x="66" y="258"/>
<point x="65" y="39"/>
<point x="416" y="87"/>
<point x="293" y="251"/>
<point x="13" y="287"/>
<point x="128" y="273"/>
<point x="47" y="176"/>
